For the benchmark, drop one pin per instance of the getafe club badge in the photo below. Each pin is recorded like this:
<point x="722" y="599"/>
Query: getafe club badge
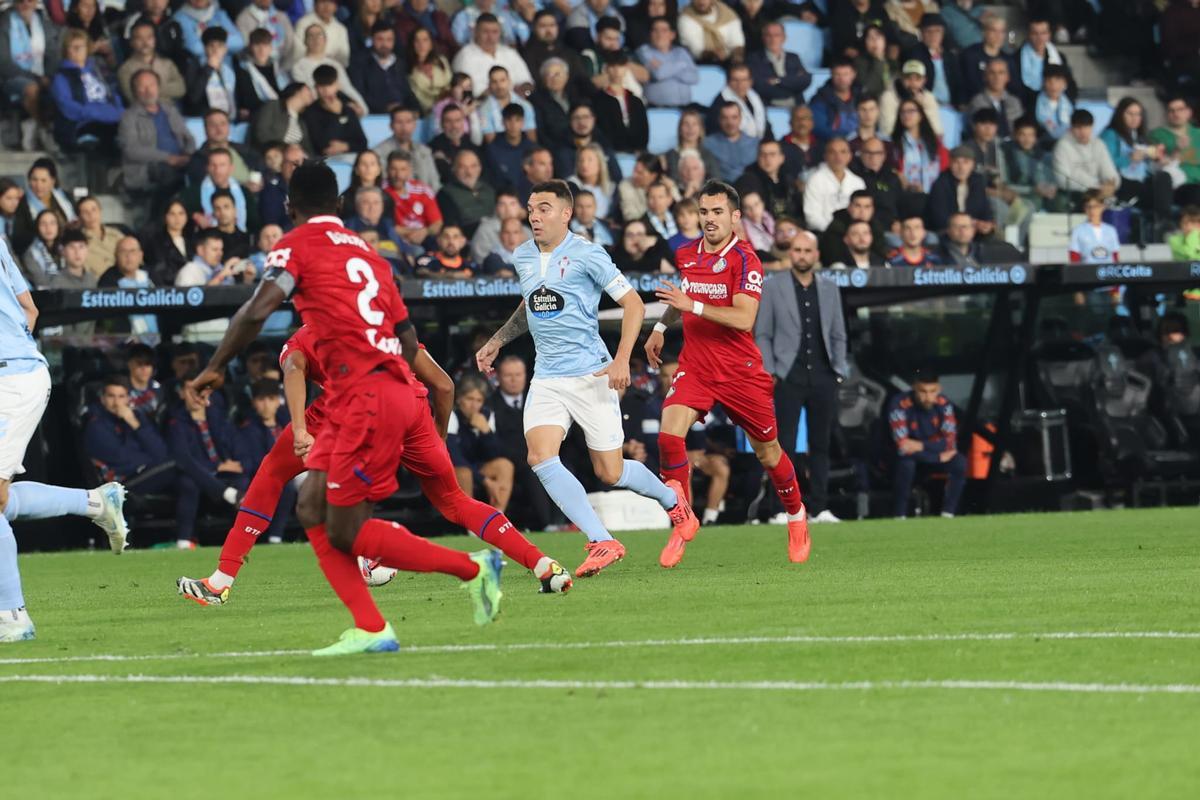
<point x="720" y="265"/>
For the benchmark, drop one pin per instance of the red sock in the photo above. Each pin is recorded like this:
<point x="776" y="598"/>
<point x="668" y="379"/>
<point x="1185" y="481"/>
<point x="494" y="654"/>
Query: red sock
<point x="397" y="547"/>
<point x="673" y="462"/>
<point x="500" y="533"/>
<point x="247" y="526"/>
<point x="262" y="497"/>
<point x="341" y="570"/>
<point x="783" y="475"/>
<point x="480" y="519"/>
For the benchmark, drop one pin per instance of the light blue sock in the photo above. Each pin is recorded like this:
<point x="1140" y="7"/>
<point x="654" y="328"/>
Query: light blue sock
<point x="636" y="478"/>
<point x="10" y="578"/>
<point x="30" y="500"/>
<point x="567" y="493"/>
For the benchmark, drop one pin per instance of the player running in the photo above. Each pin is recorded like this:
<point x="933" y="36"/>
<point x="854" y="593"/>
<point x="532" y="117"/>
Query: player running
<point x="720" y="363"/>
<point x="24" y="392"/>
<point x="286" y="460"/>
<point x="575" y="379"/>
<point x="376" y="413"/>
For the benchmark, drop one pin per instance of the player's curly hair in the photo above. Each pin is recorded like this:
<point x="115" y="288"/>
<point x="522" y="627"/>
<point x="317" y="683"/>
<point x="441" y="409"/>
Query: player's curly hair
<point x="313" y="189"/>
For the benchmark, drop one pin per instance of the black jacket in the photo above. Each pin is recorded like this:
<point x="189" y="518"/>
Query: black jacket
<point x="885" y="187"/>
<point x="324" y="126"/>
<point x="780" y="197"/>
<point x="951" y="63"/>
<point x="833" y="248"/>
<point x="609" y="119"/>
<point x="943" y="200"/>
<point x="381" y="88"/>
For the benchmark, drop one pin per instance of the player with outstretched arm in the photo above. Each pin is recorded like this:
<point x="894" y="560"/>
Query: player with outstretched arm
<point x="717" y="298"/>
<point x="575" y="380"/>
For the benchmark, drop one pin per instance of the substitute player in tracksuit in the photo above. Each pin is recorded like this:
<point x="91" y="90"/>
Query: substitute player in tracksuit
<point x="717" y="298"/>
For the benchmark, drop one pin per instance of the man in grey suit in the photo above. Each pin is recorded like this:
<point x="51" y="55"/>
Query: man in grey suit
<point x="802" y="335"/>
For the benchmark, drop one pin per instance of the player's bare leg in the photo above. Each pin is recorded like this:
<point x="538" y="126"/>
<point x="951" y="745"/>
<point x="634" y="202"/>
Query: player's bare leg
<point x="783" y="476"/>
<point x="716" y="467"/>
<point x="498" y="478"/>
<point x="676" y="468"/>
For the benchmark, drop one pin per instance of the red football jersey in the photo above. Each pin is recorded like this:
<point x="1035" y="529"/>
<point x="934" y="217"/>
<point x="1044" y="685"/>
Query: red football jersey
<point x="714" y="278"/>
<point x="347" y="298"/>
<point x="417" y="207"/>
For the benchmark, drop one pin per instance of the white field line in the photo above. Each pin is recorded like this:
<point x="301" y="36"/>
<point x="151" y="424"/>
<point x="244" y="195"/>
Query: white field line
<point x="748" y="686"/>
<point x="635" y="643"/>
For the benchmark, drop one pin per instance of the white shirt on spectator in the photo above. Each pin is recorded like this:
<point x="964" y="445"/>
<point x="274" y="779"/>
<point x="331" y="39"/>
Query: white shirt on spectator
<point x="337" y="39"/>
<point x="824" y="194"/>
<point x="475" y="62"/>
<point x="691" y="34"/>
<point x="754" y="113"/>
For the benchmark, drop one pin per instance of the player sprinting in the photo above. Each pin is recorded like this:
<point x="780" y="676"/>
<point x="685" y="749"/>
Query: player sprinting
<point x="720" y="363"/>
<point x="375" y="414"/>
<point x="24" y="392"/>
<point x="286" y="460"/>
<point x="574" y="379"/>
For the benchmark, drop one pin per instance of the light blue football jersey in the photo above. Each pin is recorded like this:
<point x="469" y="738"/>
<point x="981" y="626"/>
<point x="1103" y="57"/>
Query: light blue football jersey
<point x="562" y="295"/>
<point x="18" y="351"/>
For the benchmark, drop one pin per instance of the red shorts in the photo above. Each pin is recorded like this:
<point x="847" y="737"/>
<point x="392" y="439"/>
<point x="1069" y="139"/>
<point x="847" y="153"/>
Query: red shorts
<point x="362" y="441"/>
<point x="749" y="400"/>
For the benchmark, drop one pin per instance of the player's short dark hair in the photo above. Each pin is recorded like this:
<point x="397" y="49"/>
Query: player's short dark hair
<point x="1055" y="71"/>
<point x="506" y="191"/>
<point x="448" y="108"/>
<point x="545" y="12"/>
<point x="713" y="188"/>
<point x="214" y="33"/>
<point x="73" y="235"/>
<point x="313" y="189"/>
<point x="325" y="75"/>
<point x="985" y="116"/>
<point x="265" y="387"/>
<point x="291" y="90"/>
<point x="841" y="61"/>
<point x="1025" y="121"/>
<point x="926" y="373"/>
<point x="557" y="187"/>
<point x="207" y="235"/>
<point x="140" y="353"/>
<point x="1082" y="118"/>
<point x="617" y="58"/>
<point x="608" y="24"/>
<point x="905" y="218"/>
<point x="382" y="26"/>
<point x="866" y="97"/>
<point x="222" y="193"/>
<point x="858" y="194"/>
<point x="257" y="36"/>
<point x="496" y="69"/>
<point x="513" y="110"/>
<point x="854" y="222"/>
<point x="142" y="22"/>
<point x="486" y="17"/>
<point x="114" y="379"/>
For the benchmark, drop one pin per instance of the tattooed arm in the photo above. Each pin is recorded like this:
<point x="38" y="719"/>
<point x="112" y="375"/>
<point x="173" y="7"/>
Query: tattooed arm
<point x="516" y="326"/>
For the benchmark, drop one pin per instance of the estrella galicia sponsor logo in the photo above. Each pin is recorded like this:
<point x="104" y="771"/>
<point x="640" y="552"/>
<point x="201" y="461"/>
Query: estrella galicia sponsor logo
<point x="480" y="287"/>
<point x="859" y="278"/>
<point x="546" y="303"/>
<point x="141" y="298"/>
<point x="971" y="276"/>
<point x="1124" y="272"/>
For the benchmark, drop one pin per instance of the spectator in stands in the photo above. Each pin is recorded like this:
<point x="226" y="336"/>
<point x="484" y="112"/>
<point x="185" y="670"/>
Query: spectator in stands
<point x="259" y="80"/>
<point x="268" y="237"/>
<point x="209" y="267"/>
<point x="538" y="167"/>
<point x="87" y="109"/>
<point x="120" y="438"/>
<point x="324" y="15"/>
<point x="875" y="69"/>
<point x="779" y="77"/>
<point x="672" y="70"/>
<point x="690" y="136"/>
<point x="42" y="259"/>
<point x="203" y="445"/>
<point x="86" y="15"/>
<point x="332" y="121"/>
<point x="582" y="20"/>
<point x="1028" y="171"/>
<point x="453" y="140"/>
<point x="167" y="33"/>
<point x="167" y="246"/>
<point x="368" y="214"/>
<point x="591" y="174"/>
<point x="501" y="261"/>
<point x="639" y="250"/>
<point x="10" y="200"/>
<point x="1036" y="54"/>
<point x="155" y="143"/>
<point x="658" y="210"/>
<point x="451" y="259"/>
<point x="552" y="102"/>
<point x="765" y="177"/>
<point x="976" y="57"/>
<point x="586" y="222"/>
<point x="996" y="96"/>
<point x="499" y="97"/>
<point x="712" y="32"/>
<point x="1185" y="243"/>
<point x="848" y="21"/>
<point x="412" y="15"/>
<point x="631" y="192"/>
<point x="834" y="105"/>
<point x="197" y="198"/>
<point x="609" y="41"/>
<point x="687" y="223"/>
<point x="758" y="226"/>
<point x="262" y="15"/>
<point x="487" y="234"/>
<point x="280" y="121"/>
<point x="418" y="216"/>
<point x="102" y="239"/>
<point x="906" y="16"/>
<point x="379" y="74"/>
<point x="1180" y="140"/>
<point x="42" y="193"/>
<point x="943" y="65"/>
<point x="404" y="128"/>
<point x="910" y="86"/>
<point x="984" y="142"/>
<point x="732" y="148"/>
<point x="912" y="251"/>
<point x="925" y="434"/>
<point x="461" y="95"/>
<point x="691" y="175"/>
<point x="1082" y="162"/>
<point x="963" y="22"/>
<point x="127" y="273"/>
<point x="830" y="186"/>
<point x="545" y="45"/>
<point x="466" y="199"/>
<point x="145" y="393"/>
<point x="922" y="156"/>
<point x="1140" y="162"/>
<point x="504" y="154"/>
<point x="217" y="133"/>
<point x="859" y="248"/>
<point x="961" y="189"/>
<point x="212" y="81"/>
<point x="196" y="17"/>
<point x="507" y="406"/>
<point x="1094" y="241"/>
<point x="474" y="448"/>
<point x="486" y="51"/>
<point x="236" y="240"/>
<point x="367" y="172"/>
<point x="958" y="247"/>
<point x="316" y="56"/>
<point x="429" y="71"/>
<point x="29" y="53"/>
<point x="881" y="181"/>
<point x="802" y="150"/>
<point x="144" y="57"/>
<point x="514" y="31"/>
<point x="860" y="209"/>
<point x="255" y="438"/>
<point x="738" y="89"/>
<point x="1052" y="108"/>
<point x="74" y="273"/>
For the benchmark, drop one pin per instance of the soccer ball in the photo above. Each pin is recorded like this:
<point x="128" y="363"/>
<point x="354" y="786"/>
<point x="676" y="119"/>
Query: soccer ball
<point x="374" y="573"/>
<point x="555" y="580"/>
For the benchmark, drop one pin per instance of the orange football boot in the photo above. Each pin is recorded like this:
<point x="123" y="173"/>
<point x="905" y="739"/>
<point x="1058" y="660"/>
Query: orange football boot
<point x="600" y="555"/>
<point x="799" y="544"/>
<point x="685" y="527"/>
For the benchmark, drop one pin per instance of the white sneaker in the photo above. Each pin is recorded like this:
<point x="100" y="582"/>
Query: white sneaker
<point x="826" y="516"/>
<point x="16" y="626"/>
<point x="112" y="516"/>
<point x="778" y="519"/>
<point x="947" y="515"/>
<point x="29" y="130"/>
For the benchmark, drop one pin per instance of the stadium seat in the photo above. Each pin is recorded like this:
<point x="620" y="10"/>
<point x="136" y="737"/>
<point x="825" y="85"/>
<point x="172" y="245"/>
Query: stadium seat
<point x="780" y="120"/>
<point x="806" y="41"/>
<point x="376" y="127"/>
<point x="820" y="77"/>
<point x="626" y="161"/>
<point x="343" y="171"/>
<point x="1100" y="110"/>
<point x="424" y="131"/>
<point x="952" y="127"/>
<point x="195" y="126"/>
<point x="238" y="132"/>
<point x="664" y="129"/>
<point x="712" y="81"/>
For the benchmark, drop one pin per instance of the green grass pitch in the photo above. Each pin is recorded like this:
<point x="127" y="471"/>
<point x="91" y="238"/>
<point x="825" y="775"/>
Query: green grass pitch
<point x="1006" y="657"/>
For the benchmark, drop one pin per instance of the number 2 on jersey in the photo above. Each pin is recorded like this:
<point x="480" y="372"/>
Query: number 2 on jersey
<point x="358" y="270"/>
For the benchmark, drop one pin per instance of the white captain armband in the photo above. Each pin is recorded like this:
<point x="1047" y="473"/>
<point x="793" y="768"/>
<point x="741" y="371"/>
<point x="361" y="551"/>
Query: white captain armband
<point x="618" y="287"/>
<point x="281" y="278"/>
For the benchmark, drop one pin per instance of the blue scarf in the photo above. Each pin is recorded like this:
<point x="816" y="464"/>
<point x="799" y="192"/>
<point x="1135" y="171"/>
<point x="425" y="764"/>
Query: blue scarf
<point x="920" y="166"/>
<point x="227" y="81"/>
<point x="20" y="42"/>
<point x="36" y="206"/>
<point x="139" y="324"/>
<point x="1032" y="64"/>
<point x="1056" y="121"/>
<point x="207" y="188"/>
